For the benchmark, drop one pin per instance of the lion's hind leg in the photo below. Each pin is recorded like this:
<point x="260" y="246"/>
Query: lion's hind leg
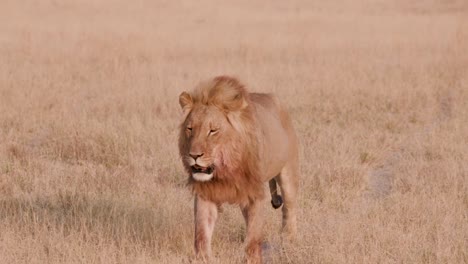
<point x="288" y="181"/>
<point x="276" y="199"/>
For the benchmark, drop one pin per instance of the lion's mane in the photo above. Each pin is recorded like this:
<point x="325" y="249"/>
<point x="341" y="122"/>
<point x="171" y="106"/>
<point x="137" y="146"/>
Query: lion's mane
<point x="238" y="180"/>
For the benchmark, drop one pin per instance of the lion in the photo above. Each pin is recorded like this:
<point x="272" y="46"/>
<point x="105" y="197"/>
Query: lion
<point x="231" y="142"/>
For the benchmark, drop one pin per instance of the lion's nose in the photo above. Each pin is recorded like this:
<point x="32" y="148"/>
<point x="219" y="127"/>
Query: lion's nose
<point x="195" y="156"/>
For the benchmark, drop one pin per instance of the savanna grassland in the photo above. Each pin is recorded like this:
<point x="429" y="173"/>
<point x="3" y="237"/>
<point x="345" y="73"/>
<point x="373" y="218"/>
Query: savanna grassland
<point x="377" y="90"/>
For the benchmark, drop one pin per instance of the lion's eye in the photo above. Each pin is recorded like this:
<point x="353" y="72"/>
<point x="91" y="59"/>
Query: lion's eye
<point x="213" y="131"/>
<point x="189" y="128"/>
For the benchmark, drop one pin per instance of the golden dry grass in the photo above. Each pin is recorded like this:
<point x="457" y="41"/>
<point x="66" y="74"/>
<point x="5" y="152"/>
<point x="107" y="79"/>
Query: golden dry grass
<point x="89" y="167"/>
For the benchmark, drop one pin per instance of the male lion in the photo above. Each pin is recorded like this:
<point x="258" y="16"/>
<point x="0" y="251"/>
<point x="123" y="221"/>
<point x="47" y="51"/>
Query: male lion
<point x="232" y="142"/>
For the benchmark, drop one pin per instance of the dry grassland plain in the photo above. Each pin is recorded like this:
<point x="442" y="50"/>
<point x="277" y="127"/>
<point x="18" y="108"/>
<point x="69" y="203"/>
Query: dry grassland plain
<point x="89" y="114"/>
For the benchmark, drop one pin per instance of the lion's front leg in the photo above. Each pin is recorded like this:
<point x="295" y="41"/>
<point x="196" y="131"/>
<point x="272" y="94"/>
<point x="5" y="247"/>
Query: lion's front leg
<point x="254" y="238"/>
<point x="206" y="213"/>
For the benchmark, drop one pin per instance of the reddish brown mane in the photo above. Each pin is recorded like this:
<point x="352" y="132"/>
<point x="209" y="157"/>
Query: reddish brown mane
<point x="239" y="181"/>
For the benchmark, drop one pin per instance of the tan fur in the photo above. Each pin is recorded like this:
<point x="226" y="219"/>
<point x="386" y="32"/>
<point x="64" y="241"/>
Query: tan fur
<point x="248" y="139"/>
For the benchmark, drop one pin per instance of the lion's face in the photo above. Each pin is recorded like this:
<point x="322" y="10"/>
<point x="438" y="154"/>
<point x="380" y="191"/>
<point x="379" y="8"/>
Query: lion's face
<point x="219" y="141"/>
<point x="212" y="138"/>
<point x="206" y="130"/>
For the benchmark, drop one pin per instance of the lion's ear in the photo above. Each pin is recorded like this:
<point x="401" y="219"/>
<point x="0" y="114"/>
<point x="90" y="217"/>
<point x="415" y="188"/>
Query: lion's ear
<point x="185" y="101"/>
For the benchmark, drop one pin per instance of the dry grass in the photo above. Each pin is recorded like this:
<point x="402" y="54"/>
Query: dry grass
<point x="378" y="90"/>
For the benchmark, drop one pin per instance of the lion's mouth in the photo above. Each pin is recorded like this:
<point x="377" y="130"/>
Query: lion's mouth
<point x="202" y="174"/>
<point x="199" y="169"/>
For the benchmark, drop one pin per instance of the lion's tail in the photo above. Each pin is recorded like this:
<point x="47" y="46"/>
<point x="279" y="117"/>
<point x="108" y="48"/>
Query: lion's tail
<point x="276" y="199"/>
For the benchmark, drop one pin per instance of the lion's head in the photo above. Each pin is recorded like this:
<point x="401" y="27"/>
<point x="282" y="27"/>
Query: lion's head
<point x="217" y="141"/>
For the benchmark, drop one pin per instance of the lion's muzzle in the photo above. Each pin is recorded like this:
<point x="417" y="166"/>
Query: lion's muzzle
<point x="200" y="173"/>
